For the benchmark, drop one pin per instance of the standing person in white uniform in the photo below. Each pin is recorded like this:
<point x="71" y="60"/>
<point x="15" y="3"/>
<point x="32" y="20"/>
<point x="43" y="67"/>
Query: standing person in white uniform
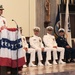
<point x="36" y="43"/>
<point x="3" y="22"/>
<point x="50" y="42"/>
<point x="28" y="50"/>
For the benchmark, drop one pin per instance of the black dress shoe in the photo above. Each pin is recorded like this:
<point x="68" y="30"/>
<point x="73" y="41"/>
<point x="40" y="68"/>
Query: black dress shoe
<point x="67" y="61"/>
<point x="72" y="61"/>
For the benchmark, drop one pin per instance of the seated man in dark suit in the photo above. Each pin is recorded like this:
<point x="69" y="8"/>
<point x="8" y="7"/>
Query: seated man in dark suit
<point x="62" y="42"/>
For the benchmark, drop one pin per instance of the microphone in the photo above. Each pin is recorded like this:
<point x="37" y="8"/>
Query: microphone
<point x="17" y="42"/>
<point x="15" y="23"/>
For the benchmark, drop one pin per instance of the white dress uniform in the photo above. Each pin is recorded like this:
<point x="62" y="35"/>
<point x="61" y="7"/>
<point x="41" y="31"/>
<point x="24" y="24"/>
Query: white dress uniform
<point x="2" y="21"/>
<point x="36" y="43"/>
<point x="30" y="50"/>
<point x="49" y="41"/>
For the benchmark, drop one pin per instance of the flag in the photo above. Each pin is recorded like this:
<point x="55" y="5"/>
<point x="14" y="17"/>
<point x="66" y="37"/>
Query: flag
<point x="57" y="22"/>
<point x="67" y="24"/>
<point x="11" y="52"/>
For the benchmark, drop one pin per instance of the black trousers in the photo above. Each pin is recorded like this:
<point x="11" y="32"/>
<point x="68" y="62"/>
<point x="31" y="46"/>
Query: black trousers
<point x="69" y="53"/>
<point x="4" y="70"/>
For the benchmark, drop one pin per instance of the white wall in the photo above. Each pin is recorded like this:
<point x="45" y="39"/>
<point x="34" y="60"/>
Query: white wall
<point x="23" y="12"/>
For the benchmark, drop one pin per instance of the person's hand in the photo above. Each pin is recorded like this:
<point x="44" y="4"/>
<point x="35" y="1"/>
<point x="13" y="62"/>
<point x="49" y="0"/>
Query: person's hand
<point x="68" y="46"/>
<point x="54" y="46"/>
<point x="26" y="49"/>
<point x="3" y="27"/>
<point x="42" y="49"/>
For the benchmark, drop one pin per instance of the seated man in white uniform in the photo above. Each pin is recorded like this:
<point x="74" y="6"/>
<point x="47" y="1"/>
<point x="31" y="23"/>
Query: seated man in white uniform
<point x="50" y="42"/>
<point x="28" y="50"/>
<point x="36" y="43"/>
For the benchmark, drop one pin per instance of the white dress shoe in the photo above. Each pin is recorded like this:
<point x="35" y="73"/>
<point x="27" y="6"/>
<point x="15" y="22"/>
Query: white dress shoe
<point x="31" y="65"/>
<point x="40" y="64"/>
<point x="47" y="64"/>
<point x="54" y="62"/>
<point x="61" y="62"/>
<point x="24" y="66"/>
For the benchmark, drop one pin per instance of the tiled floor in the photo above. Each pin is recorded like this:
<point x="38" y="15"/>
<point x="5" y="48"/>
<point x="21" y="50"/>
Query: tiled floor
<point x="49" y="70"/>
<point x="63" y="69"/>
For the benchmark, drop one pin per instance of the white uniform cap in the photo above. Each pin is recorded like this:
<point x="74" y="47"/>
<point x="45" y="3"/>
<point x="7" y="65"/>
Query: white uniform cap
<point x="61" y="30"/>
<point x="49" y="28"/>
<point x="36" y="28"/>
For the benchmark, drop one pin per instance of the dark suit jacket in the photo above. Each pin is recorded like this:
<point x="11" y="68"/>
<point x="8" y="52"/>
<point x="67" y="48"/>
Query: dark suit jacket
<point x="62" y="42"/>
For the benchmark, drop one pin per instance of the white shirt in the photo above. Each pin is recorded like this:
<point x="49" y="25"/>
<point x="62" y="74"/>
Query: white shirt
<point x="24" y="42"/>
<point x="36" y="42"/>
<point x="3" y="21"/>
<point x="49" y="40"/>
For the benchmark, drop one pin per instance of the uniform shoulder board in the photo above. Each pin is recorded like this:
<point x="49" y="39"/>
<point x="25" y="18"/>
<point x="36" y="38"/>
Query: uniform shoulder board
<point x="22" y="35"/>
<point x="3" y="16"/>
<point x="31" y="36"/>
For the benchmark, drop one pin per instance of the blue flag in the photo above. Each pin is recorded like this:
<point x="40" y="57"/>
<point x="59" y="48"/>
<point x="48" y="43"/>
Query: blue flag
<point x="57" y="22"/>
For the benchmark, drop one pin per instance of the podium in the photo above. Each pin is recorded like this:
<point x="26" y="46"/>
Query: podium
<point x="11" y="52"/>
